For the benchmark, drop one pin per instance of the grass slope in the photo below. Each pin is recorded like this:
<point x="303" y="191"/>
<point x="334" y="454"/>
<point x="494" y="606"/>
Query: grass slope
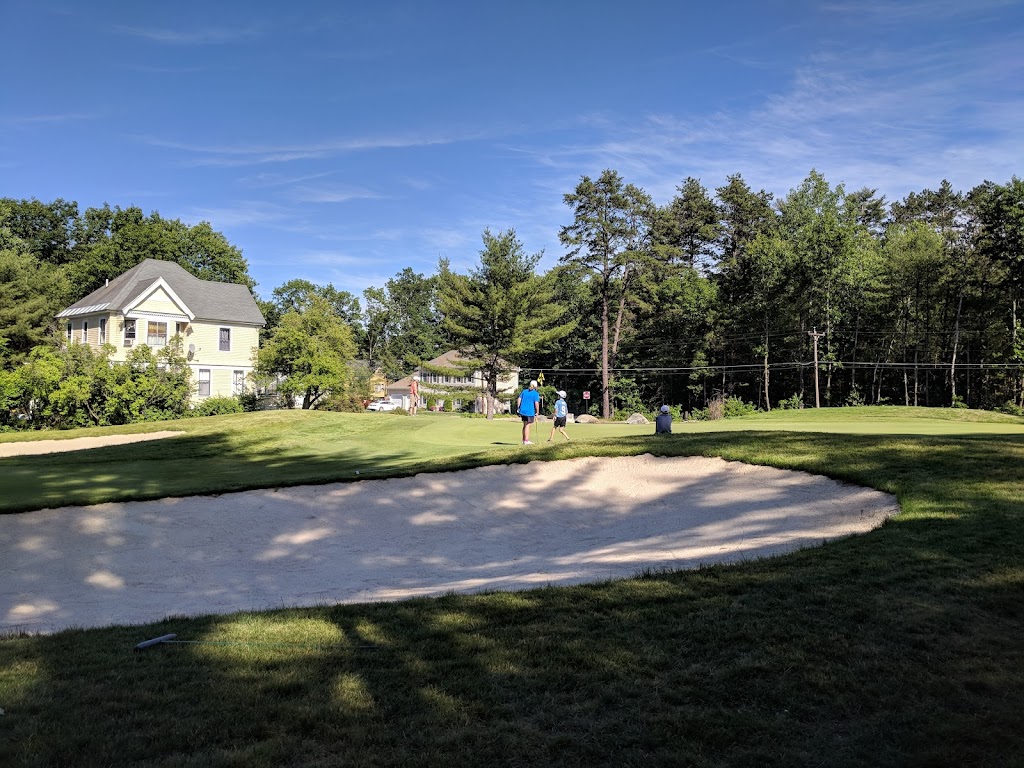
<point x="900" y="647"/>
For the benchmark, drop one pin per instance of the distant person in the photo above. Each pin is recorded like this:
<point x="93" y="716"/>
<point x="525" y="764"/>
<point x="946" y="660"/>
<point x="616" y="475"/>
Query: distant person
<point x="663" y="424"/>
<point x="561" y="414"/>
<point x="528" y="406"/>
<point x="414" y="394"/>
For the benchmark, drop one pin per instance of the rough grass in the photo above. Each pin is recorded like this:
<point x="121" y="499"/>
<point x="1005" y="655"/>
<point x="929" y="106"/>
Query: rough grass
<point x="902" y="647"/>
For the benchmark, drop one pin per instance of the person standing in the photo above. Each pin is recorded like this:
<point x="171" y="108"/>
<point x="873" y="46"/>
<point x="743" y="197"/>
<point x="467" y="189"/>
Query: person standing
<point x="561" y="414"/>
<point x="663" y="424"/>
<point x="528" y="406"/>
<point x="414" y="394"/>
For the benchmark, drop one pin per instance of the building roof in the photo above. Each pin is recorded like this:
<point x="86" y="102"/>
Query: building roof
<point x="207" y="299"/>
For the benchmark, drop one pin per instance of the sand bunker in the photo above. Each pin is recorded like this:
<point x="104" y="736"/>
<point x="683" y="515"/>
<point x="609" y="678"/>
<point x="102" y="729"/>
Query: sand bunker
<point x="497" y="527"/>
<point x="39" y="447"/>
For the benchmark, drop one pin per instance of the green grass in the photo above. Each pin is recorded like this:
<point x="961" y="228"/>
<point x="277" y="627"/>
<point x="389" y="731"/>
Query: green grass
<point x="279" y="448"/>
<point x="902" y="647"/>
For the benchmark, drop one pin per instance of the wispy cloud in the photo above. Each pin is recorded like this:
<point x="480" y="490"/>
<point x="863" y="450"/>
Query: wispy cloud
<point x="257" y="154"/>
<point x="336" y="194"/>
<point x="244" y="213"/>
<point x="210" y="36"/>
<point x="265" y="179"/>
<point x="875" y="12"/>
<point x="894" y="120"/>
<point x="35" y="120"/>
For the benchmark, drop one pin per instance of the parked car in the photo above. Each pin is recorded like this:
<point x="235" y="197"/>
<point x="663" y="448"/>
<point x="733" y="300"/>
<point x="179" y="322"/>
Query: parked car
<point x="383" y="404"/>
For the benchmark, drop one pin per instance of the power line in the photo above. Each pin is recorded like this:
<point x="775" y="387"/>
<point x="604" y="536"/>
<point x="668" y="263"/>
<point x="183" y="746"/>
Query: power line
<point x="782" y="365"/>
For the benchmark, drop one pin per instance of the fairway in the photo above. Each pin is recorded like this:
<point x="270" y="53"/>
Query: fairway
<point x="900" y="646"/>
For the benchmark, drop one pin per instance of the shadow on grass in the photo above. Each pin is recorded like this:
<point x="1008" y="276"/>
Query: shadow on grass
<point x="900" y="647"/>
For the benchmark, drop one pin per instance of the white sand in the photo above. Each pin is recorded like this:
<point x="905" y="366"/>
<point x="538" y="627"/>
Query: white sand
<point x="39" y="447"/>
<point x="498" y="527"/>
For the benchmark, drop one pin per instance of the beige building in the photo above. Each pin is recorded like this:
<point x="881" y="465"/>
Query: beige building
<point x="153" y="301"/>
<point x="442" y="386"/>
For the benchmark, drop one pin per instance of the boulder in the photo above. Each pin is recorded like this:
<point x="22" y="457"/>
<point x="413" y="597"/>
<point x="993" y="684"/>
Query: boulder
<point x="586" y="418"/>
<point x="637" y="418"/>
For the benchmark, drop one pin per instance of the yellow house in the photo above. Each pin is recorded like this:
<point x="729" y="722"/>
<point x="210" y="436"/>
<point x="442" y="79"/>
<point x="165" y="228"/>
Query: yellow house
<point x="219" y="323"/>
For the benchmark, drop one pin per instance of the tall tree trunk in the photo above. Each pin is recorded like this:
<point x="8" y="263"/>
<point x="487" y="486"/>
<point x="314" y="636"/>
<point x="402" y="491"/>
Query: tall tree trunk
<point x="767" y="400"/>
<point x="956" y="344"/>
<point x="916" y="376"/>
<point x="1018" y="379"/>
<point x="906" y="330"/>
<point x="606" y="404"/>
<point x="617" y="334"/>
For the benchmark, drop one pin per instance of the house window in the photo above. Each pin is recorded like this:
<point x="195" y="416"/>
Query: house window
<point x="157" y="334"/>
<point x="85" y="331"/>
<point x="204" y="382"/>
<point x="237" y="382"/>
<point x="69" y="331"/>
<point x="225" y="339"/>
<point x="179" y="328"/>
<point x="129" y="332"/>
<point x="103" y="330"/>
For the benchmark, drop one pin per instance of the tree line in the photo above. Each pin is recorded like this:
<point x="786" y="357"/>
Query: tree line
<point x="723" y="292"/>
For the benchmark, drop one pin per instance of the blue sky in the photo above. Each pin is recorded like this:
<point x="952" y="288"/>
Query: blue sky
<point x="341" y="141"/>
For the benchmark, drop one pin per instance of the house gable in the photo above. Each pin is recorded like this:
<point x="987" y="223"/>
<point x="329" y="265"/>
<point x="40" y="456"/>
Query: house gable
<point x="158" y="299"/>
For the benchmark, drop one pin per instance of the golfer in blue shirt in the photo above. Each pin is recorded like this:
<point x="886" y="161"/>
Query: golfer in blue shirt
<point x="528" y="407"/>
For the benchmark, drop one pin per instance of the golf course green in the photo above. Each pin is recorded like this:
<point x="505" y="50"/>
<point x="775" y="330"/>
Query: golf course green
<point x="900" y="647"/>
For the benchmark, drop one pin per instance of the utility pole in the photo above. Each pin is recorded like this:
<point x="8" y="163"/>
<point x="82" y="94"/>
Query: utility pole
<point x="815" y="335"/>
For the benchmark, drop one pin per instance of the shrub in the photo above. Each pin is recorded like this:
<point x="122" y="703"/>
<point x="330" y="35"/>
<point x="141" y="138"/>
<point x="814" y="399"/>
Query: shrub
<point x="791" y="403"/>
<point x="400" y="411"/>
<point x="348" y="402"/>
<point x="854" y="398"/>
<point x="721" y="407"/>
<point x="249" y="401"/>
<point x="1011" y="408"/>
<point x="735" y="407"/>
<point x="958" y="402"/>
<point x="216" y="406"/>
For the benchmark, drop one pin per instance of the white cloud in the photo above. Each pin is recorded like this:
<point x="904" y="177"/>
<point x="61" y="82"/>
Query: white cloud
<point x="211" y="36"/>
<point x="336" y="194"/>
<point x="255" y="154"/>
<point x="245" y="213"/>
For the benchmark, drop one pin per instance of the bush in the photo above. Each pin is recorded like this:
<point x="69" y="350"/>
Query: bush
<point x="344" y="403"/>
<point x="216" y="406"/>
<point x="721" y="407"/>
<point x="735" y="407"/>
<point x="400" y="411"/>
<point x="249" y="401"/>
<point x="791" y="403"/>
<point x="958" y="402"/>
<point x="1011" y="408"/>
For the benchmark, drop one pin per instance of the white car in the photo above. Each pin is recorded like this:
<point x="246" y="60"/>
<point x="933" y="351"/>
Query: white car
<point x="384" y="404"/>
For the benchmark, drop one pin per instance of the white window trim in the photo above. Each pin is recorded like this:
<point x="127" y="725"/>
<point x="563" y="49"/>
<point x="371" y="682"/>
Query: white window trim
<point x="167" y="336"/>
<point x="208" y="382"/>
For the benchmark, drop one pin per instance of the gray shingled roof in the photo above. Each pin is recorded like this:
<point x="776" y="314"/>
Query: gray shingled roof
<point x="209" y="300"/>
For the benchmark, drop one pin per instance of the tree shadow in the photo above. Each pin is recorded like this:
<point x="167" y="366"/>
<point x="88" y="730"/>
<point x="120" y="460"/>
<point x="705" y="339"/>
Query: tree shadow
<point x="898" y="647"/>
